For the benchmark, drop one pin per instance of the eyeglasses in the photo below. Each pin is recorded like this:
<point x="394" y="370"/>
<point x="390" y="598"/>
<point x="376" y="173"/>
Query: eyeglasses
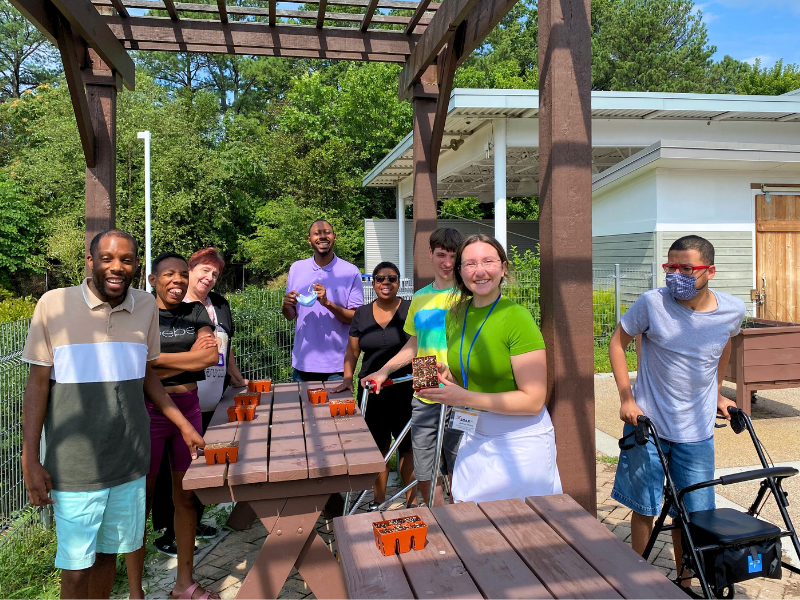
<point x="382" y="278"/>
<point x="488" y="264"/>
<point x="683" y="269"/>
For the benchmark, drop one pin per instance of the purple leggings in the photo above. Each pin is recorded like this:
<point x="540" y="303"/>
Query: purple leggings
<point x="163" y="433"/>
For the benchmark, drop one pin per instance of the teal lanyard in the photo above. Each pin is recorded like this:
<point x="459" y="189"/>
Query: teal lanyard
<point x="465" y="373"/>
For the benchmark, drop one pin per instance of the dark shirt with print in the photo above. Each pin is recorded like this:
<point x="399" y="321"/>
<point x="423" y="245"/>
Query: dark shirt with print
<point x="178" y="327"/>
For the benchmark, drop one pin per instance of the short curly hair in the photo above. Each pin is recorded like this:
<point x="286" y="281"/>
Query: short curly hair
<point x="207" y="256"/>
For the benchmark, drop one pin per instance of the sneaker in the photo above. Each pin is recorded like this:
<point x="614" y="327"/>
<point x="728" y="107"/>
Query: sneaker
<point x="166" y="545"/>
<point x="206" y="532"/>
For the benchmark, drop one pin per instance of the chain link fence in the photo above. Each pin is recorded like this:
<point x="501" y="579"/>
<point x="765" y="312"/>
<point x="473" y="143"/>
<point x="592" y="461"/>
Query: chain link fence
<point x="262" y="345"/>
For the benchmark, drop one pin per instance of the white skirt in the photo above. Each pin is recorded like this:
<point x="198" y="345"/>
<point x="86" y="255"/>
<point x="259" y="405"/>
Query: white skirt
<point x="507" y="456"/>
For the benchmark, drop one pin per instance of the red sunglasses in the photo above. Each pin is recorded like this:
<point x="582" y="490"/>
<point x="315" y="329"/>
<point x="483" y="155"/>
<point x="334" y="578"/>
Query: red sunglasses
<point x="683" y="269"/>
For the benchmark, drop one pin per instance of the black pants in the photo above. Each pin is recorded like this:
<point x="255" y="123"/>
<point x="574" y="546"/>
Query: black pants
<point x="163" y="507"/>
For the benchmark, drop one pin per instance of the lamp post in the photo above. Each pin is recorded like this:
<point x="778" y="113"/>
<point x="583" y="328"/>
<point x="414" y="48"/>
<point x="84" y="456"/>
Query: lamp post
<point x="145" y="135"/>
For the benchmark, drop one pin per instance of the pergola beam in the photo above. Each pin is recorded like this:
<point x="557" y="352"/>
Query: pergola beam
<point x="484" y="17"/>
<point x="257" y="11"/>
<point x="373" y="4"/>
<point x="87" y="22"/>
<point x="423" y="6"/>
<point x="170" y="6"/>
<point x="323" y="5"/>
<point x="439" y="31"/>
<point x="120" y="8"/>
<point x="250" y="51"/>
<point x="139" y="32"/>
<point x="446" y="72"/>
<point x="223" y="11"/>
<point x="36" y="12"/>
<point x="72" y="72"/>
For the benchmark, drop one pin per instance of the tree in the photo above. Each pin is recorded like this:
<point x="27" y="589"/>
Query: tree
<point x="508" y="58"/>
<point x="19" y="228"/>
<point x="772" y="81"/>
<point x="725" y="76"/>
<point x="651" y="45"/>
<point x="26" y="57"/>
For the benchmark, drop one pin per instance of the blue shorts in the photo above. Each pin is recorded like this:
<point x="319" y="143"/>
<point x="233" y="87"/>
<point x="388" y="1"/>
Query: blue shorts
<point x="109" y="521"/>
<point x="639" y="483"/>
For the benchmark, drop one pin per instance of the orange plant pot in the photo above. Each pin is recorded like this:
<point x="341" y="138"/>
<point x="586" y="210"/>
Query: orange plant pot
<point x="221" y="453"/>
<point x="241" y="413"/>
<point x="247" y="399"/>
<point x="318" y="396"/>
<point x="400" y="535"/>
<point x="249" y="412"/>
<point x="231" y="414"/>
<point x="342" y="407"/>
<point x="262" y="385"/>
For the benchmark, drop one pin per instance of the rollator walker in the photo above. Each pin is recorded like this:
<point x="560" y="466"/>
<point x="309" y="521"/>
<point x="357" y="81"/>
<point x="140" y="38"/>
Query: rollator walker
<point x="406" y="430"/>
<point x="724" y="546"/>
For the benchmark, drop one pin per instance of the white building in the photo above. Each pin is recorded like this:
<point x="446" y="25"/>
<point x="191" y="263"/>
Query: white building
<point x="664" y="165"/>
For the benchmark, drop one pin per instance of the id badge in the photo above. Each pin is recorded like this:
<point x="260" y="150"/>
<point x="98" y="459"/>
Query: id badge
<point x="464" y="420"/>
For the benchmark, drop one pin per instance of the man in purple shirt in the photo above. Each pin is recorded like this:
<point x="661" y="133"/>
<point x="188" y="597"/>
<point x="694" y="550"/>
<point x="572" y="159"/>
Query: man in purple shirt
<point x="323" y="292"/>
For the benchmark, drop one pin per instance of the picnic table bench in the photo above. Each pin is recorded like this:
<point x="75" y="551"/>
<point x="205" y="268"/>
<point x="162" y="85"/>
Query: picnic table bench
<point x="292" y="456"/>
<point x="543" y="547"/>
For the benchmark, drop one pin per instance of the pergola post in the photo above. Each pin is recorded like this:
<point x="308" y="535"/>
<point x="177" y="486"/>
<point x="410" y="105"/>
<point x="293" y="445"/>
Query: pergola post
<point x="401" y="233"/>
<point x="425" y="209"/>
<point x="500" y="214"/>
<point x="101" y="181"/>
<point x="565" y="232"/>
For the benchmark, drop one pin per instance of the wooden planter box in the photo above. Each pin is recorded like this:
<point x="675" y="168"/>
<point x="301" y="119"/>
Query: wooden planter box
<point x="764" y="356"/>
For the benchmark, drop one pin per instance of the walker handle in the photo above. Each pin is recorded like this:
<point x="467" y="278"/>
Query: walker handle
<point x="371" y="384"/>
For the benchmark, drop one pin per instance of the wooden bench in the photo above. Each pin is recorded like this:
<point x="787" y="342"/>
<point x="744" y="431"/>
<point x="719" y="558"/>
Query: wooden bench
<point x="544" y="547"/>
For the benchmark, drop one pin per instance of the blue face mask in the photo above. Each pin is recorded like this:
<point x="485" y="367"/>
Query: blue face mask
<point x="682" y="287"/>
<point x="308" y="299"/>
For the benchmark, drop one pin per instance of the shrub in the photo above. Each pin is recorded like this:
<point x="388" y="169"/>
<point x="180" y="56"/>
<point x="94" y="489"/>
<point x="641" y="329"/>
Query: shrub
<point x="13" y="309"/>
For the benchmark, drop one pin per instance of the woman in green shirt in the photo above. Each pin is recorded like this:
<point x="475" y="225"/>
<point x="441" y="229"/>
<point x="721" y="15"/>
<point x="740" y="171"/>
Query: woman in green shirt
<point x="498" y="371"/>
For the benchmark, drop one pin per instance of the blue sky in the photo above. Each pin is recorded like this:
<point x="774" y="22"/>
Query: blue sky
<point x="750" y="29"/>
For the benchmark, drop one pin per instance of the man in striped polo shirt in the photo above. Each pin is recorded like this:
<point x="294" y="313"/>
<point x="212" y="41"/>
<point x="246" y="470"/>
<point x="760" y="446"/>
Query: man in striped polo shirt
<point x="88" y="348"/>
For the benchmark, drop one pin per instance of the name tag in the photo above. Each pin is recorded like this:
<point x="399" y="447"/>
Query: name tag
<point x="464" y="420"/>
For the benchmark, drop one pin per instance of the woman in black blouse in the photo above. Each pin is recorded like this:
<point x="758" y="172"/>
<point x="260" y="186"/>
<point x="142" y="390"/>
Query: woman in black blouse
<point x="188" y="347"/>
<point x="377" y="330"/>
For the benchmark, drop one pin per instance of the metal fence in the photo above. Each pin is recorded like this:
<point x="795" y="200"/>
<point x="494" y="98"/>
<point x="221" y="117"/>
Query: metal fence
<point x="262" y="345"/>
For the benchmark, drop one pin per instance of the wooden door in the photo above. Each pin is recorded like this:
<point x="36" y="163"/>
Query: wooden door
<point x="778" y="256"/>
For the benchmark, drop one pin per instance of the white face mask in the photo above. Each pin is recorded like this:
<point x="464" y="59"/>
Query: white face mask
<point x="309" y="299"/>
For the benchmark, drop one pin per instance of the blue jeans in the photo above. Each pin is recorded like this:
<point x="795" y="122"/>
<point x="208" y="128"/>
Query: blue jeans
<point x="300" y="376"/>
<point x="639" y="483"/>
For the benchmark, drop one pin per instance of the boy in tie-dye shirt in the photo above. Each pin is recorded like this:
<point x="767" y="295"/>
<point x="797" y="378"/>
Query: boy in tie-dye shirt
<point x="425" y="325"/>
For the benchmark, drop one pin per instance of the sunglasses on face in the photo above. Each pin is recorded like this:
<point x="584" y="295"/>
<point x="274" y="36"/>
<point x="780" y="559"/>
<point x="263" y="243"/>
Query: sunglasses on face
<point x="389" y="278"/>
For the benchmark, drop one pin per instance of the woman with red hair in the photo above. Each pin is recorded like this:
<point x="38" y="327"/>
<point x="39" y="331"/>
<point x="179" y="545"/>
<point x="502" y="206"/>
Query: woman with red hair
<point x="205" y="267"/>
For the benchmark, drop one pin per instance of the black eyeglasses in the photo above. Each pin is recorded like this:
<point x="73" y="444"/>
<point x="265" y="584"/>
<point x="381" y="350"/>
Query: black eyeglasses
<point x="382" y="278"/>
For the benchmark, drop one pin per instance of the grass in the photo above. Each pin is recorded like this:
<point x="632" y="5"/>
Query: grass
<point x="28" y="570"/>
<point x="611" y="460"/>
<point x="601" y="362"/>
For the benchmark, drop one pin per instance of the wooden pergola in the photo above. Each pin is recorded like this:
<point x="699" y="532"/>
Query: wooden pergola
<point x="94" y="36"/>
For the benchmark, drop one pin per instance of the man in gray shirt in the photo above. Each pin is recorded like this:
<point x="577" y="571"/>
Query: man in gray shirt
<point x="686" y="330"/>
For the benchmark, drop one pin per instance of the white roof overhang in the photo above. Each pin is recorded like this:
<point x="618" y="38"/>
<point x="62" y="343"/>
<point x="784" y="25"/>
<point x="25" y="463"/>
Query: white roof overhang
<point x="623" y="123"/>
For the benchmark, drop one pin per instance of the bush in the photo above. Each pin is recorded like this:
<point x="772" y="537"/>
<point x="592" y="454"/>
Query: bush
<point x="604" y="312"/>
<point x="13" y="309"/>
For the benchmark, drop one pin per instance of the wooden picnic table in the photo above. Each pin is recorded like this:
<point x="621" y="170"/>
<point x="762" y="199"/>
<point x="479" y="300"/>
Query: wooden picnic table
<point x="292" y="457"/>
<point x="543" y="547"/>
